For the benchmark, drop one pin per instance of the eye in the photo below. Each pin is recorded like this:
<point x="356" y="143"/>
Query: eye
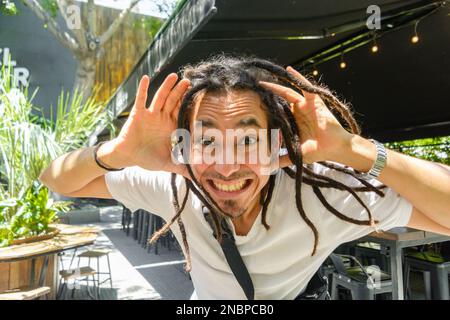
<point x="248" y="141"/>
<point x="205" y="141"/>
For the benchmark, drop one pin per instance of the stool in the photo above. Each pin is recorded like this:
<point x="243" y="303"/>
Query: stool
<point x="76" y="274"/>
<point x="97" y="253"/>
<point x="25" y="293"/>
<point x="435" y="270"/>
<point x="364" y="282"/>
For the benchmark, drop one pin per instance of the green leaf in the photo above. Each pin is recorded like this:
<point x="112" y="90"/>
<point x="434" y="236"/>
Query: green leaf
<point x="8" y="8"/>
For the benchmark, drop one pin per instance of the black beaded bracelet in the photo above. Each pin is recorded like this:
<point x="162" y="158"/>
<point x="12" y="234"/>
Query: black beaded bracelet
<point x="101" y="165"/>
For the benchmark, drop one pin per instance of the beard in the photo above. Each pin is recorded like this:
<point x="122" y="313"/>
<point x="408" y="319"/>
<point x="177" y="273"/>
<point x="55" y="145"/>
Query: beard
<point x="231" y="208"/>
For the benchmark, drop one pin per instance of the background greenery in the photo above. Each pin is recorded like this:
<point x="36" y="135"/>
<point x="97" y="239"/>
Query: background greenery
<point x="434" y="149"/>
<point x="28" y="142"/>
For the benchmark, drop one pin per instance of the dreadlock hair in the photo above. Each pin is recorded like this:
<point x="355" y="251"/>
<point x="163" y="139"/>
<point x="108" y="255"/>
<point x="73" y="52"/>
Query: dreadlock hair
<point x="223" y="73"/>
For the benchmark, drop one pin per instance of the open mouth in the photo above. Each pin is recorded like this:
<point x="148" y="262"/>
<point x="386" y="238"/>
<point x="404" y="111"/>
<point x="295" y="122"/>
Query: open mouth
<point x="230" y="188"/>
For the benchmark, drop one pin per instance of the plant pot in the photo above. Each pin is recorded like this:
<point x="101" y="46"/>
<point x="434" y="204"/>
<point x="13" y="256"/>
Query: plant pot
<point x="51" y="232"/>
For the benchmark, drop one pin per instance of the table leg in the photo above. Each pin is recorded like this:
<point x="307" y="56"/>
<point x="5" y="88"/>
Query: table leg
<point x="396" y="272"/>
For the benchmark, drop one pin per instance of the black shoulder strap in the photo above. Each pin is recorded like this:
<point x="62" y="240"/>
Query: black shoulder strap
<point x="233" y="256"/>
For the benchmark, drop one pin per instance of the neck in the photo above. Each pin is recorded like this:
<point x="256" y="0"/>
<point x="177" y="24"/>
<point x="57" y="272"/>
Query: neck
<point x="244" y="222"/>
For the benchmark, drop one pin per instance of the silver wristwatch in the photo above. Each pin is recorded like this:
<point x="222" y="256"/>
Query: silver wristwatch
<point x="379" y="164"/>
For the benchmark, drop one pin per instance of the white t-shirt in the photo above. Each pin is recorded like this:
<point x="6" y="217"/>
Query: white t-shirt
<point x="279" y="259"/>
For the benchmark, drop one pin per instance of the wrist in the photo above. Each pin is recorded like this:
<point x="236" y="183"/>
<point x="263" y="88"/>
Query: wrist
<point x="109" y="154"/>
<point x="357" y="152"/>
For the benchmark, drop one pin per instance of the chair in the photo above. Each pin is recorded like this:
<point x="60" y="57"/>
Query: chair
<point x="25" y="293"/>
<point x="136" y="215"/>
<point x="370" y="253"/>
<point x="154" y="223"/>
<point x="75" y="274"/>
<point x="97" y="253"/>
<point x="435" y="273"/>
<point x="363" y="282"/>
<point x="126" y="220"/>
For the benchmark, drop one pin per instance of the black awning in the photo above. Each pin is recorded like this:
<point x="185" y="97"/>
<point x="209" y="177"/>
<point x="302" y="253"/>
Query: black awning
<point x="399" y="93"/>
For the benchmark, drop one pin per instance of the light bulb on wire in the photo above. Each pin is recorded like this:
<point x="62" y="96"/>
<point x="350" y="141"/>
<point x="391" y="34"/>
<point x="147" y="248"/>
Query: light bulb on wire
<point x="342" y="64"/>
<point x="415" y="37"/>
<point x="315" y="73"/>
<point x="374" y="48"/>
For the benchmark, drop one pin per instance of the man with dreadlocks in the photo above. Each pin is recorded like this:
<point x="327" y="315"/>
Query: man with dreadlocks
<point x="332" y="186"/>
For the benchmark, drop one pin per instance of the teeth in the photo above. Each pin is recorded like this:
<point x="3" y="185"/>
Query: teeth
<point x="230" y="188"/>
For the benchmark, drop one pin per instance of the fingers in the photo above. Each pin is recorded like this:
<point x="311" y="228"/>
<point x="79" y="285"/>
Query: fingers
<point x="290" y="95"/>
<point x="176" y="110"/>
<point x="163" y="92"/>
<point x="175" y="95"/>
<point x="141" y="96"/>
<point x="295" y="73"/>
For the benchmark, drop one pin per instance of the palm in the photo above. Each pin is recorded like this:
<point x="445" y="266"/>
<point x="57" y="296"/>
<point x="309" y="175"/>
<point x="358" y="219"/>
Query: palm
<point x="145" y="137"/>
<point x="321" y="133"/>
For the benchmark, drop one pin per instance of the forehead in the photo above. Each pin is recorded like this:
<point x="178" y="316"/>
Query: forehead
<point x="230" y="108"/>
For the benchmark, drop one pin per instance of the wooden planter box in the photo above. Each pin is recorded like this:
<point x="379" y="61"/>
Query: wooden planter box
<point x="50" y="234"/>
<point x="17" y="274"/>
<point x="16" y="260"/>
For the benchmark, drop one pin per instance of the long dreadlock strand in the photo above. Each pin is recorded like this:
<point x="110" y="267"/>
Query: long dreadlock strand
<point x="178" y="211"/>
<point x="352" y="173"/>
<point x="322" y="92"/>
<point x="267" y="198"/>
<point x="330" y="208"/>
<point x="349" y="189"/>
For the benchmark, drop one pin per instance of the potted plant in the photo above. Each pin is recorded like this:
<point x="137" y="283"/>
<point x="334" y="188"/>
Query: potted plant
<point x="28" y="142"/>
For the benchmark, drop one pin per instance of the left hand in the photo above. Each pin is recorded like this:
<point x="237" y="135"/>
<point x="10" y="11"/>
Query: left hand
<point x="322" y="136"/>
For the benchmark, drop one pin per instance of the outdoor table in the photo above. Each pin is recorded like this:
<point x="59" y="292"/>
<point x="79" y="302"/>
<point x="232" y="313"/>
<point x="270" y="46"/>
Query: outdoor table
<point x="15" y="268"/>
<point x="395" y="240"/>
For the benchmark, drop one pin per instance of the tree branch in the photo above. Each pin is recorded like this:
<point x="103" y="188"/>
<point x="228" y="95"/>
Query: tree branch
<point x="90" y="16"/>
<point x="113" y="27"/>
<point x="80" y="34"/>
<point x="64" y="38"/>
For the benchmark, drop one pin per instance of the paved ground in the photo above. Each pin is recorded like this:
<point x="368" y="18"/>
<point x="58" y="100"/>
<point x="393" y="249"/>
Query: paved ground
<point x="136" y="273"/>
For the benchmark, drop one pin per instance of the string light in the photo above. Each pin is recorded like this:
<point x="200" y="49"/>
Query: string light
<point x="315" y="73"/>
<point x="415" y="37"/>
<point x="342" y="65"/>
<point x="374" y="48"/>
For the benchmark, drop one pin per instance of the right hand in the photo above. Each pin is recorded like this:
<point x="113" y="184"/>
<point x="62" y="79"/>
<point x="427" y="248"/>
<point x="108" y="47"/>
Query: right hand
<point x="145" y="137"/>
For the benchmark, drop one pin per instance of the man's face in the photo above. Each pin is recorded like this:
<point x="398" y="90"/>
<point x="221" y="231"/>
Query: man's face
<point x="226" y="144"/>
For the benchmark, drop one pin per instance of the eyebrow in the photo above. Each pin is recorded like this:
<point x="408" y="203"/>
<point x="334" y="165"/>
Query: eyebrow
<point x="246" y="122"/>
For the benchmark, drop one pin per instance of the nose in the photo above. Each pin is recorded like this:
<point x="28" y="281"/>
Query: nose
<point x="226" y="170"/>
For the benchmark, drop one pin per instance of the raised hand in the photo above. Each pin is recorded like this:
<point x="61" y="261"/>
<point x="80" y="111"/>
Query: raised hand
<point x="321" y="133"/>
<point x="145" y="137"/>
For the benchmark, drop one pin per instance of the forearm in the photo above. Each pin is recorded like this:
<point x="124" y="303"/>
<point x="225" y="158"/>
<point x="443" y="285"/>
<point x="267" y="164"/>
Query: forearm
<point x="423" y="183"/>
<point x="72" y="171"/>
